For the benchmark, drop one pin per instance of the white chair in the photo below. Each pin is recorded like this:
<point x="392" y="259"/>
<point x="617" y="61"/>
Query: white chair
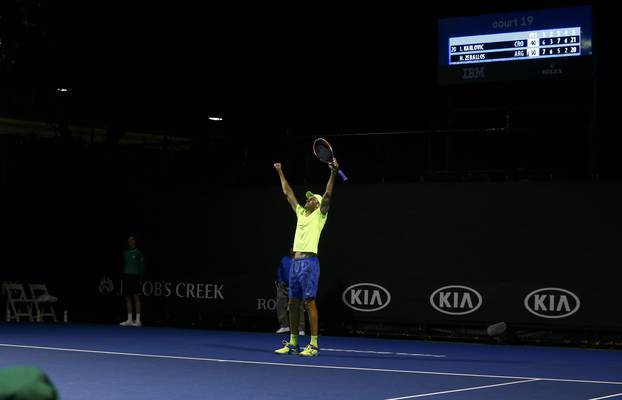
<point x="43" y="302"/>
<point x="18" y="304"/>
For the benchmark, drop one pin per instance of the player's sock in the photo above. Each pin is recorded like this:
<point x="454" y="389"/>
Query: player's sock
<point x="293" y="339"/>
<point x="314" y="340"/>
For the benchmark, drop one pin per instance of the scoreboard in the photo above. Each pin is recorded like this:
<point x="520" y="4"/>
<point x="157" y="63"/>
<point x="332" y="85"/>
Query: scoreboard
<point x="514" y="46"/>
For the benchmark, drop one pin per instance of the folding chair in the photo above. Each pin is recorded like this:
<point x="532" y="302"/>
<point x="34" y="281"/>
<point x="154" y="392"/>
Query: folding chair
<point x="44" y="303"/>
<point x="18" y="304"/>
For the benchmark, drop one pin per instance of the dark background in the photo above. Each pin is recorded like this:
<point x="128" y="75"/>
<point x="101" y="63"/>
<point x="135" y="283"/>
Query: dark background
<point x="513" y="183"/>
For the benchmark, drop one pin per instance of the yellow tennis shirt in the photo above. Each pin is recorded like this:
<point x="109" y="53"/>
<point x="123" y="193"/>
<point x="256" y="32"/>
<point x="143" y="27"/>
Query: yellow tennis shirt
<point x="308" y="229"/>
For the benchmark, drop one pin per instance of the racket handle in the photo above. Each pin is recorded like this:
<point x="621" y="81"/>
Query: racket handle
<point x="342" y="175"/>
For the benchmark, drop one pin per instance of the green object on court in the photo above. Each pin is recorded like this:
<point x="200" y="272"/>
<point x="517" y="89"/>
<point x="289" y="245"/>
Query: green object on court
<point x="26" y="383"/>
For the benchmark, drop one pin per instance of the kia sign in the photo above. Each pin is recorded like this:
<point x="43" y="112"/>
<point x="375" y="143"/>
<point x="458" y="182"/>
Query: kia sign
<point x="366" y="297"/>
<point x="552" y="303"/>
<point x="456" y="300"/>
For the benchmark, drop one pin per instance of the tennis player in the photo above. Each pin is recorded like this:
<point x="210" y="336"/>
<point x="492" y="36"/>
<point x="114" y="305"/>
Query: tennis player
<point x="305" y="269"/>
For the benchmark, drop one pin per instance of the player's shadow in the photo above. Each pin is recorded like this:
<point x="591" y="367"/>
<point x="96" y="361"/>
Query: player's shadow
<point x="342" y="356"/>
<point x="242" y="348"/>
<point x="349" y="356"/>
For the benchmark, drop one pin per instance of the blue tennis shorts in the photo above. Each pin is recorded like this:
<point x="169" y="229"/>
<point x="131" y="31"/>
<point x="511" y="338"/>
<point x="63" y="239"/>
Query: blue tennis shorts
<point x="304" y="277"/>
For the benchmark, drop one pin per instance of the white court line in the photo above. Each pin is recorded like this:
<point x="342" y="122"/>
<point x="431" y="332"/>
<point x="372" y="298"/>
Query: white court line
<point x="462" y="390"/>
<point x="606" y="397"/>
<point x="402" y="371"/>
<point x="383" y="352"/>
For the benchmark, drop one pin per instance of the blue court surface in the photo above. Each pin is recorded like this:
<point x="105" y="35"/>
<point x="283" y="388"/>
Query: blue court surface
<point x="100" y="362"/>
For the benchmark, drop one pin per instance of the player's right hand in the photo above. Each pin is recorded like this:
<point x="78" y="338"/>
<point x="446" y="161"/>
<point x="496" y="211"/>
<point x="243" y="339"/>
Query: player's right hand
<point x="277" y="166"/>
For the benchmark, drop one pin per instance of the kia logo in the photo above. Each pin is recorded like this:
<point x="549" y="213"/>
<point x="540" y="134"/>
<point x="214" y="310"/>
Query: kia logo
<point x="552" y="303"/>
<point x="366" y="297"/>
<point x="456" y="300"/>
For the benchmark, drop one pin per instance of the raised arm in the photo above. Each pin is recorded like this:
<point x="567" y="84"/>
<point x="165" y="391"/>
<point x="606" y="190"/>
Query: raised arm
<point x="287" y="190"/>
<point x="325" y="206"/>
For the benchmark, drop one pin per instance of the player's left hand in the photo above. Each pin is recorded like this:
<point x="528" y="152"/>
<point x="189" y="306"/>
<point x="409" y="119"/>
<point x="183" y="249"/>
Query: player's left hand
<point x="334" y="165"/>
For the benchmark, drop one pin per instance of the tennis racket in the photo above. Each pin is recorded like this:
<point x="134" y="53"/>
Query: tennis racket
<point x="324" y="153"/>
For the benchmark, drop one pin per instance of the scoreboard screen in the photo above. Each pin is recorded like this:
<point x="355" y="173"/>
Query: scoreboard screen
<point x="526" y="45"/>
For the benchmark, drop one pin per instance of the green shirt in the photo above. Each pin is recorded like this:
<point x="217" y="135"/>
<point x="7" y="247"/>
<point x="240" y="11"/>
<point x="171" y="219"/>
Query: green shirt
<point x="308" y="229"/>
<point x="134" y="262"/>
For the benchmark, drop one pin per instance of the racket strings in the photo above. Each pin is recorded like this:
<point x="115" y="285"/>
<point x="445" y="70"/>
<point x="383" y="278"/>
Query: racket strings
<point x="323" y="153"/>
